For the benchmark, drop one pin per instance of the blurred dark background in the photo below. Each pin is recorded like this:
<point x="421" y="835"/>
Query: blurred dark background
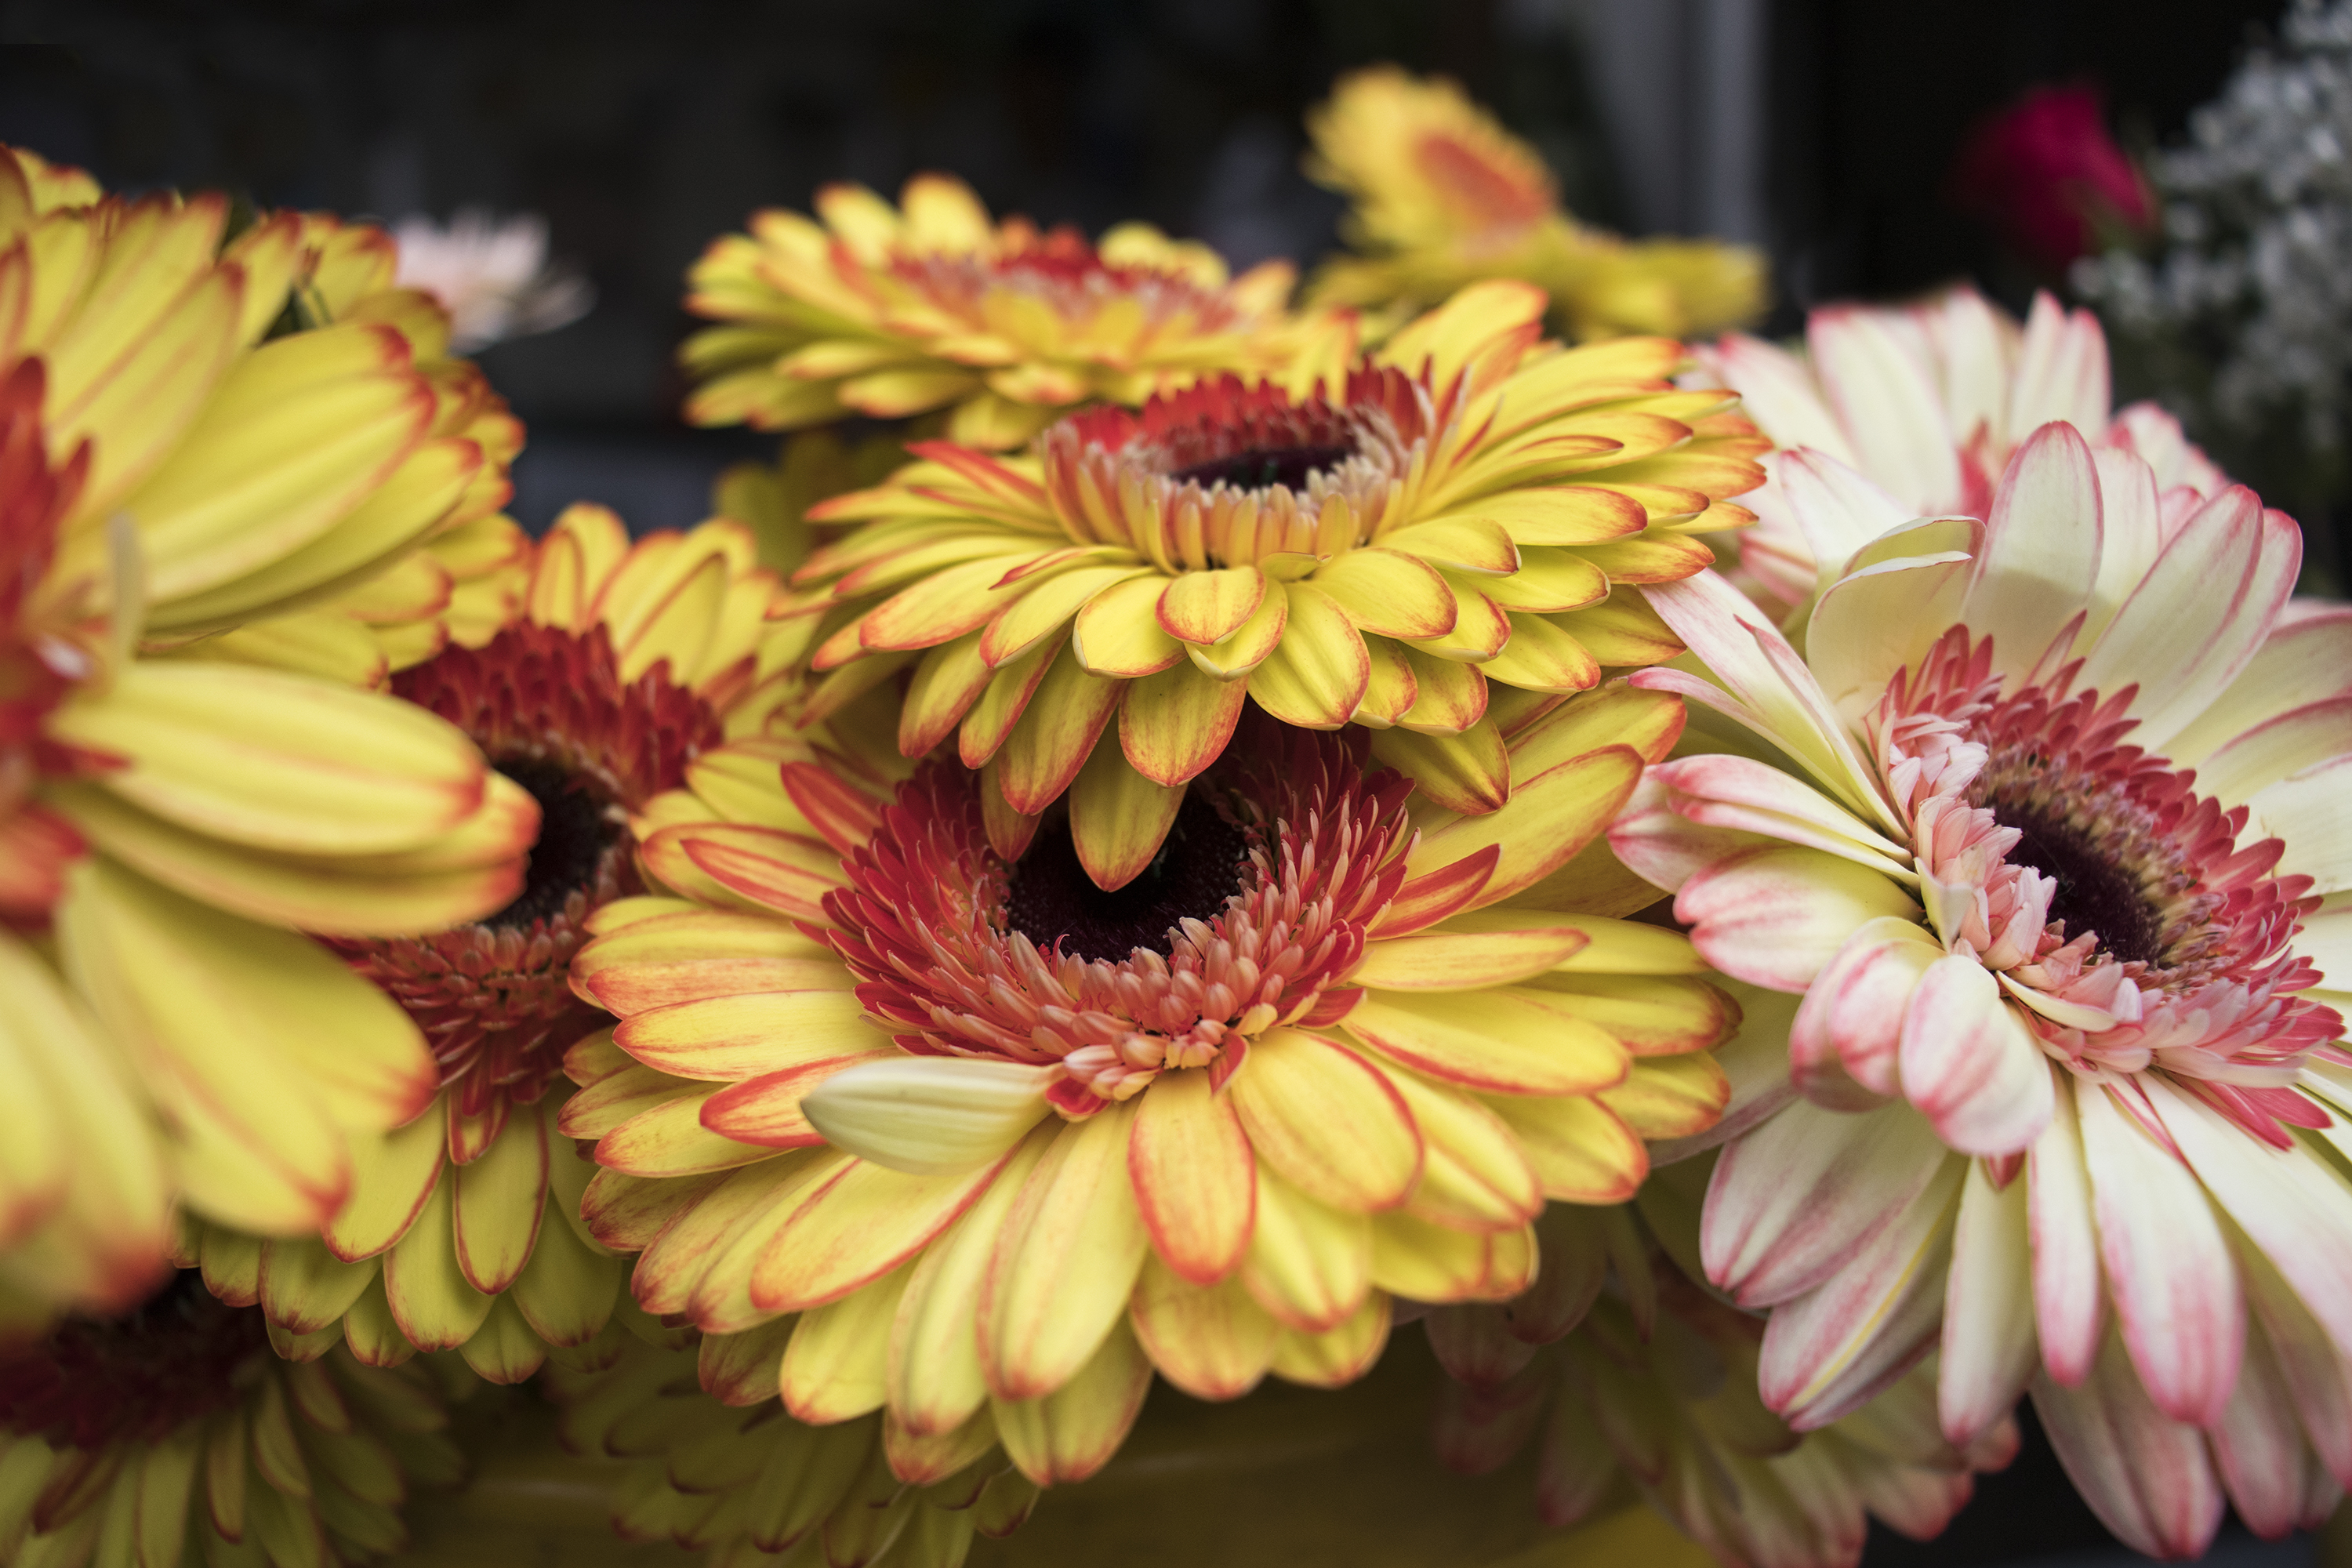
<point x="1820" y="129"/>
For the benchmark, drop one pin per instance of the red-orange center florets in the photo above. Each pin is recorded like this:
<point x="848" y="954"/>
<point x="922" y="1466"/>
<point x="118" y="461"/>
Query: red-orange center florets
<point x="1257" y="906"/>
<point x="177" y="1357"/>
<point x="549" y="711"/>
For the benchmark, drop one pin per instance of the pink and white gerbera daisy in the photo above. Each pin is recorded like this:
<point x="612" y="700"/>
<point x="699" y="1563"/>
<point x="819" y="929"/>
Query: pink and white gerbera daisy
<point x="1927" y="401"/>
<point x="2049" y="825"/>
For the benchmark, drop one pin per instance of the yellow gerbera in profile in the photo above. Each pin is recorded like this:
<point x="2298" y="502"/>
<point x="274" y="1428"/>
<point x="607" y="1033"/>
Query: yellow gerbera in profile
<point x="1437" y="536"/>
<point x="170" y="1437"/>
<point x="930" y="305"/>
<point x="627" y="672"/>
<point x="728" y="1470"/>
<point x="1006" y="1142"/>
<point x="1444" y="196"/>
<point x="176" y="460"/>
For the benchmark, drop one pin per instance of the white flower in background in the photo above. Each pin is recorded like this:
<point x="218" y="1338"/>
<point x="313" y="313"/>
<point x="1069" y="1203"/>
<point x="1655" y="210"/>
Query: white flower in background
<point x="491" y="275"/>
<point x="2253" y="286"/>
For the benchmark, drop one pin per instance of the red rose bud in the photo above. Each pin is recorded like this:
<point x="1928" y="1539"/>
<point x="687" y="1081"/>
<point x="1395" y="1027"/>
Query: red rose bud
<point x="2045" y="173"/>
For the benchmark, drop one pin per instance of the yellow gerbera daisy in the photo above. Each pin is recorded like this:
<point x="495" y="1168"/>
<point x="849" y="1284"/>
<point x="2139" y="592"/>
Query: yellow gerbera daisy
<point x="897" y="312"/>
<point x="627" y="672"/>
<point x="1446" y="196"/>
<point x="728" y="1470"/>
<point x="170" y="1437"/>
<point x="1208" y="1123"/>
<point x="1454" y="518"/>
<point x="167" y="466"/>
<point x="1633" y="1374"/>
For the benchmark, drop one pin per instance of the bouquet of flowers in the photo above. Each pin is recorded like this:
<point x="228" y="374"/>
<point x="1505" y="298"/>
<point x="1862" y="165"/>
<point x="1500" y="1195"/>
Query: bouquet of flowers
<point x="1236" y="845"/>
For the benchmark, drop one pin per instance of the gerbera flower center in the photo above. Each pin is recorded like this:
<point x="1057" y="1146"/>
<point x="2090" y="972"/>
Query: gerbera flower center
<point x="2063" y="836"/>
<point x="177" y="1357"/>
<point x="549" y="707"/>
<point x="1248" y="920"/>
<point x="1260" y="467"/>
<point x="1050" y="898"/>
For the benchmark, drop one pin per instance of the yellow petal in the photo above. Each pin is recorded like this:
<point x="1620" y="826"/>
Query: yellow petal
<point x="1583" y="1154"/>
<point x="1065" y="1263"/>
<point x="1308" y="1264"/>
<point x="1118" y="819"/>
<point x="1214" y="1341"/>
<point x="1510" y="1040"/>
<point x="1339" y="1355"/>
<point x="1318" y="673"/>
<point x="431" y="1300"/>
<point x="1071" y="1433"/>
<point x="1328" y="1120"/>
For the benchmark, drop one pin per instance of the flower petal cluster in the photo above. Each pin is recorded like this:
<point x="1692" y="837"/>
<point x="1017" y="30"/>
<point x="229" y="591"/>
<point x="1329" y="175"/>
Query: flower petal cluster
<point x="2045" y="826"/>
<point x="716" y="1463"/>
<point x="892" y="311"/>
<point x="200" y="431"/>
<point x="1633" y="1374"/>
<point x="1445" y="197"/>
<point x="627" y="670"/>
<point x="171" y="1436"/>
<point x="1332" y="1050"/>
<point x="1430" y="548"/>
<point x="1926" y="403"/>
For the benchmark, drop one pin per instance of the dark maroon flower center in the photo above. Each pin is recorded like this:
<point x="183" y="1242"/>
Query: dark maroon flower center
<point x="1050" y="898"/>
<point x="2093" y="894"/>
<point x="177" y="1356"/>
<point x="578" y="828"/>
<point x="1260" y="467"/>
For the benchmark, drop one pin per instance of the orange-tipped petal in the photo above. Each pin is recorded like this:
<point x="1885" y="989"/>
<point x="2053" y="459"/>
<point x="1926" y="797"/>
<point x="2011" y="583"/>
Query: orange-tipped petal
<point x="1469" y="772"/>
<point x="1175" y="723"/>
<point x="1308" y="1264"/>
<point x="1195" y="1181"/>
<point x="1214" y="1341"/>
<point x="1389" y="592"/>
<point x="1206" y="607"/>
<point x="1056" y="734"/>
<point x="1318" y="675"/>
<point x="1328" y="1120"/>
<point x="1507" y="1041"/>
<point x="860" y="1224"/>
<point x="1472" y="952"/>
<point x="1070" y="1433"/>
<point x="1118" y="819"/>
<point x="1582" y="1152"/>
<point x="1065" y="1262"/>
<point x="1119" y="631"/>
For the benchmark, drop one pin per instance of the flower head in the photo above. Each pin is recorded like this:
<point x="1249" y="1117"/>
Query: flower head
<point x="1331" y="1046"/>
<point x="491" y="275"/>
<point x="714" y="1462"/>
<point x="2045" y="825"/>
<point x="1926" y="403"/>
<point x="172" y="1428"/>
<point x="1631" y="1372"/>
<point x="1446" y="196"/>
<point x="1435" y="537"/>
<point x="895" y="311"/>
<point x="627" y="670"/>
<point x="200" y="435"/>
<point x="2044" y="172"/>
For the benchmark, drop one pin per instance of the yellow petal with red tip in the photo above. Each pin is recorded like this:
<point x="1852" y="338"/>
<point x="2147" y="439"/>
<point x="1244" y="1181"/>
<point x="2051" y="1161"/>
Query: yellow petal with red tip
<point x="673" y="628"/>
<point x="578" y="554"/>
<point x="770" y="1108"/>
<point x="1549" y="818"/>
<point x="688" y="956"/>
<point x="567" y="1289"/>
<point x="1070" y="1433"/>
<point x="1622" y="631"/>
<point x="1617" y="715"/>
<point x="1481" y="627"/>
<point x="504" y="1351"/>
<point x="944" y="606"/>
<point x="1308" y="1264"/>
<point x="1563" y="514"/>
<point x="1540" y="656"/>
<point x="1472" y="952"/>
<point x="304" y="1288"/>
<point x="498" y="1203"/>
<point x="1173" y="724"/>
<point x="1214" y="1341"/>
<point x="1328" y="1120"/>
<point x="1473" y="1175"/>
<point x="1195" y="1180"/>
<point x="679" y="1266"/>
<point x="1458" y="544"/>
<point x="1653" y="558"/>
<point x="1065" y="1261"/>
<point x="1318" y="675"/>
<point x="1424" y="1262"/>
<point x="857" y="1227"/>
<point x="1119" y="631"/>
<point x="1671" y="1096"/>
<point x="1338" y="1355"/>
<point x="334" y="896"/>
<point x="947" y="682"/>
<point x="1046" y="609"/>
<point x="314" y="643"/>
<point x="1580" y="1148"/>
<point x="1118" y="819"/>
<point x="670" y="1140"/>
<point x="741" y="1369"/>
<point x="1469" y="772"/>
<point x="747" y="866"/>
<point x="1507" y="1041"/>
<point x="1391" y="691"/>
<point x="1548" y="581"/>
<point x="391" y="1179"/>
<point x="834" y="1368"/>
<point x="1650" y="1016"/>
<point x="626" y="1213"/>
<point x="1449" y="696"/>
<point x="1207" y="607"/>
<point x="431" y="1300"/>
<point x="279" y="761"/>
<point x="1001" y="705"/>
<point x="294" y="437"/>
<point x="1056" y="734"/>
<point x="1388" y="592"/>
<point x="727" y="1038"/>
<point x="936" y="1382"/>
<point x="614" y="1098"/>
<point x="1629" y="947"/>
<point x="1249" y="645"/>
